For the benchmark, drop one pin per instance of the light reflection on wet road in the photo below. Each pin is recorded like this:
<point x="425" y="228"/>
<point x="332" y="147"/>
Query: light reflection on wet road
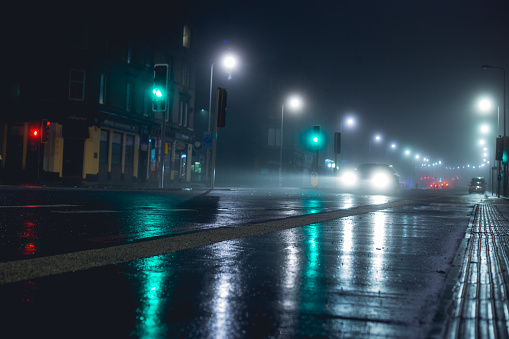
<point x="371" y="275"/>
<point x="79" y="220"/>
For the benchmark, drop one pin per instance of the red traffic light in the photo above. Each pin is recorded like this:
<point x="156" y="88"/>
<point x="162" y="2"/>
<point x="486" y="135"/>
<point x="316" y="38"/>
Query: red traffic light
<point x="34" y="132"/>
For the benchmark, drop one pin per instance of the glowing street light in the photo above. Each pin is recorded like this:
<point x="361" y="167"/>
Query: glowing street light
<point x="229" y="63"/>
<point x="377" y="138"/>
<point x="485" y="105"/>
<point x="294" y="102"/>
<point x="485" y="128"/>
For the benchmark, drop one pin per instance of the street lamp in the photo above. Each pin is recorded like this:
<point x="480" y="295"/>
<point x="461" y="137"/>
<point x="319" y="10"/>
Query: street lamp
<point x="229" y="62"/>
<point x="294" y="102"/>
<point x="485" y="105"/>
<point x="503" y="94"/>
<point x="392" y="146"/>
<point x="349" y="122"/>
<point x="376" y="138"/>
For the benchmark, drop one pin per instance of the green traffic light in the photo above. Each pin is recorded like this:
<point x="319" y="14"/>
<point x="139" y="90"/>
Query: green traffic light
<point x="315" y="139"/>
<point x="157" y="92"/>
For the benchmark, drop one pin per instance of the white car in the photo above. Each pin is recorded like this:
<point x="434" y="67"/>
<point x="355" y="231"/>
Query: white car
<point x="370" y="178"/>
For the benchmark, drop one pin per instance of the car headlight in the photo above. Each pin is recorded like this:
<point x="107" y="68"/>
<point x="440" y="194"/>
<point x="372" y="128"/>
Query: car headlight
<point x="381" y="180"/>
<point x="349" y="178"/>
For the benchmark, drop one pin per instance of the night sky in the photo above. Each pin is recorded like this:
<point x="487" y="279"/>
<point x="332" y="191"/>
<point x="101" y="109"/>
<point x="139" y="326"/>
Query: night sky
<point x="410" y="70"/>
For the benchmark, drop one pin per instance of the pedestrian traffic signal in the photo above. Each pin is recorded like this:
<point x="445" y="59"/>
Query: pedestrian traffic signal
<point x="160" y="88"/>
<point x="45" y="130"/>
<point x="221" y="107"/>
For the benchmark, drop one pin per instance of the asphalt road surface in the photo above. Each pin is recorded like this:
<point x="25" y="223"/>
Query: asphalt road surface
<point x="225" y="264"/>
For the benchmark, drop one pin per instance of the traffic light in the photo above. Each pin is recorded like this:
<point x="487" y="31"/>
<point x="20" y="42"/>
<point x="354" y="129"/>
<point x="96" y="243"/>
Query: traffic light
<point x="221" y="107"/>
<point x="45" y="130"/>
<point x="34" y="132"/>
<point x="499" y="149"/>
<point x="315" y="137"/>
<point x="160" y="88"/>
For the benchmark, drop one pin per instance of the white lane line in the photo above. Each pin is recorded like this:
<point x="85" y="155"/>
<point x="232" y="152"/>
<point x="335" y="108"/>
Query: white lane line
<point x="112" y="211"/>
<point x="85" y="212"/>
<point x="39" y="206"/>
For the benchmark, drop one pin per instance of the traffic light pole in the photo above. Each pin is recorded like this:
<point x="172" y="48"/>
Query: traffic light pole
<point x="214" y="146"/>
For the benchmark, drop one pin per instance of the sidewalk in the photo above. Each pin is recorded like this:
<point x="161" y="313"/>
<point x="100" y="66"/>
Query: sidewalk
<point x="480" y="305"/>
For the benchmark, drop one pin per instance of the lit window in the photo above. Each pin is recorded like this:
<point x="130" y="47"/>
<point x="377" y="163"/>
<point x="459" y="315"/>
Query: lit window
<point x="102" y="89"/>
<point x="186" y="37"/>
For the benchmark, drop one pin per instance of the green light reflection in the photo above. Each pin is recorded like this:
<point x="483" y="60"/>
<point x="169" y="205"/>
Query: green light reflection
<point x="150" y="314"/>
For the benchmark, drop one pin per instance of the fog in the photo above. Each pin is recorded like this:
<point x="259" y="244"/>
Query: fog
<point x="408" y="71"/>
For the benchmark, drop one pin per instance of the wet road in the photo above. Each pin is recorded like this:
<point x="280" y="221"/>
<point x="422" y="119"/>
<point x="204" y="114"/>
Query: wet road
<point x="315" y="264"/>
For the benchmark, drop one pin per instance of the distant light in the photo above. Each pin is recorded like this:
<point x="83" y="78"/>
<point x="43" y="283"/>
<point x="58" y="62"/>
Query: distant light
<point x="183" y="156"/>
<point x="295" y="102"/>
<point x="485" y="128"/>
<point x="485" y="105"/>
<point x="230" y="62"/>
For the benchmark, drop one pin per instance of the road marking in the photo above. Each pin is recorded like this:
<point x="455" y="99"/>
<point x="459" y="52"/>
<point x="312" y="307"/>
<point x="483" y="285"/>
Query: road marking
<point x="27" y="269"/>
<point x="40" y="206"/>
<point x="84" y="211"/>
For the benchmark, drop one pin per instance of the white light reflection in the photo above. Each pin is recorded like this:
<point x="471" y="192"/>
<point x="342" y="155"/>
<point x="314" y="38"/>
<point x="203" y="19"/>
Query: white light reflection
<point x="378" y="252"/>
<point x="378" y="199"/>
<point x="225" y="283"/>
<point x="291" y="278"/>
<point x="347" y="202"/>
<point x="345" y="259"/>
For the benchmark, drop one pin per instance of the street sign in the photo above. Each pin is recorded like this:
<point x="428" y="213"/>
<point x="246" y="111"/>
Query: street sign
<point x="314" y="179"/>
<point x="207" y="140"/>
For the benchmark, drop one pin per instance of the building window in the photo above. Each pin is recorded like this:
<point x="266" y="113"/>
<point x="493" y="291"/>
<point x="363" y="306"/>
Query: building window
<point x="274" y="137"/>
<point x="77" y="85"/>
<point x="183" y="113"/>
<point x="186" y="76"/>
<point x="104" y="147"/>
<point x="116" y="149"/>
<point x="186" y="37"/>
<point x="128" y="97"/>
<point x="102" y="89"/>
<point x="129" y="151"/>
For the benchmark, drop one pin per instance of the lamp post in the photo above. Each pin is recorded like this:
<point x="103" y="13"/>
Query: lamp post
<point x="229" y="62"/>
<point x="350" y="123"/>
<point x="294" y="102"/>
<point x="377" y="138"/>
<point x="485" y="105"/>
<point x="391" y="146"/>
<point x="505" y="126"/>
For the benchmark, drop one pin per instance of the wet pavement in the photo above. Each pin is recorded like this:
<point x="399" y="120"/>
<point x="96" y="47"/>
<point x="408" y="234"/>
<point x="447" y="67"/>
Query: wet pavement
<point x="396" y="268"/>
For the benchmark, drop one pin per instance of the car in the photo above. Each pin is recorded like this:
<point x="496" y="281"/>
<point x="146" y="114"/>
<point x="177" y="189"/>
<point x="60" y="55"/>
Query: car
<point x="477" y="185"/>
<point x="370" y="178"/>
